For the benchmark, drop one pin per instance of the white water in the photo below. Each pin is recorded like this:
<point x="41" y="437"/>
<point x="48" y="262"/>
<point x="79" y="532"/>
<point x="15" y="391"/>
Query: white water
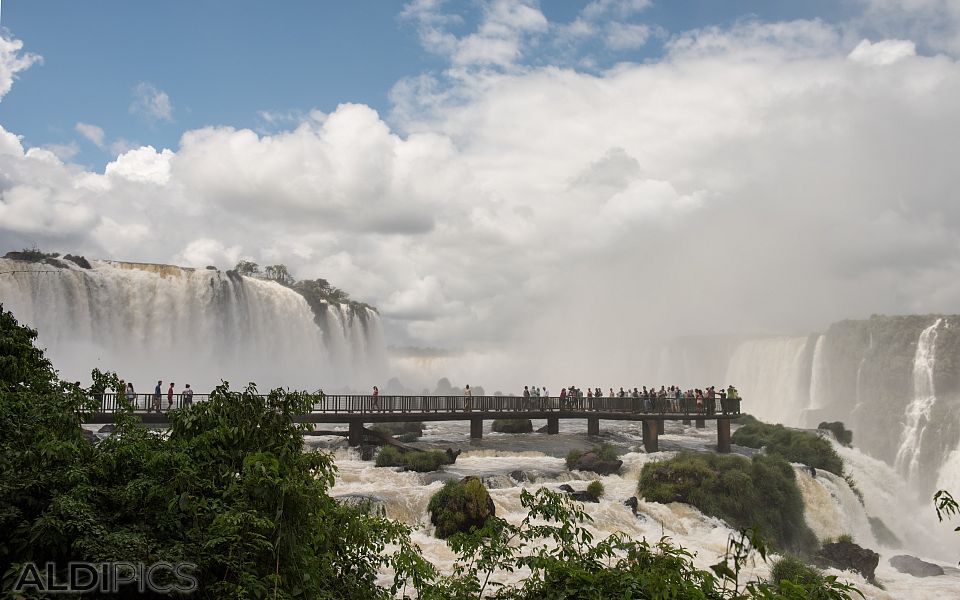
<point x="150" y="322"/>
<point x="917" y="414"/>
<point x="772" y="393"/>
<point x="831" y="507"/>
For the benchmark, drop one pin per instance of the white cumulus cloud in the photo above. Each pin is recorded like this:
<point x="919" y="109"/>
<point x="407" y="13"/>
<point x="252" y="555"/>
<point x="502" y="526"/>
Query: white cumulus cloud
<point x="150" y="103"/>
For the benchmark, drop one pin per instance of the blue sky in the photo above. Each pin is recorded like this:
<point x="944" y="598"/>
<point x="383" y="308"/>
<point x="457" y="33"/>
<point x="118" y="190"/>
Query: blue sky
<point x="464" y="165"/>
<point x="227" y="63"/>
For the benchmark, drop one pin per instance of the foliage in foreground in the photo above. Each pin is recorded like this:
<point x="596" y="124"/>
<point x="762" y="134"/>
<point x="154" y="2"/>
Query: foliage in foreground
<point x="228" y="489"/>
<point x="760" y="492"/>
<point x="795" y="446"/>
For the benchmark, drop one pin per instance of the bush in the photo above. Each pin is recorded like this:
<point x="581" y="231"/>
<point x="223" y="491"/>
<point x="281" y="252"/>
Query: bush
<point x="389" y="457"/>
<point x="795" y="446"/>
<point x="408" y="437"/>
<point x="744" y="419"/>
<point x="572" y="457"/>
<point x="791" y="568"/>
<point x="512" y="426"/>
<point x="759" y="492"/>
<point x="595" y="490"/>
<point x="460" y="507"/>
<point x="423" y="462"/>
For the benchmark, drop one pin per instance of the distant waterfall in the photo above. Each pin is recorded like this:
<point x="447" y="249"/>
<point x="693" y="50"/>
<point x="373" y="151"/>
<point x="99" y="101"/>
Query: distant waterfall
<point x="769" y="373"/>
<point x="917" y="415"/>
<point x="197" y="326"/>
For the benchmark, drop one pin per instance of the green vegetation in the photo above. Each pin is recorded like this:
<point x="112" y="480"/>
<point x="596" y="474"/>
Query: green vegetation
<point x="795" y="446"/>
<point x="421" y="462"/>
<point x="415" y="427"/>
<point x="460" y="507"/>
<point x="229" y="489"/>
<point x="595" y="490"/>
<point x="512" y="426"/>
<point x="759" y="492"/>
<point x="793" y="570"/>
<point x="744" y="419"/>
<point x="843" y="435"/>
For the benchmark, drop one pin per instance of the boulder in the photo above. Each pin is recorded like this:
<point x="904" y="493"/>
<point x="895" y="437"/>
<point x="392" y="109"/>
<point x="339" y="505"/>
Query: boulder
<point x="914" y="566"/>
<point x="520" y="476"/>
<point x="460" y="506"/>
<point x="632" y="503"/>
<point x="579" y="496"/>
<point x="371" y="504"/>
<point x="512" y="426"/>
<point x="848" y="556"/>
<point x="590" y="461"/>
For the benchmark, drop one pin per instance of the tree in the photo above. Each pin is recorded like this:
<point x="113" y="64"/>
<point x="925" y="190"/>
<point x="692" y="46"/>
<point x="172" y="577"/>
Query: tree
<point x="280" y="274"/>
<point x="247" y="268"/>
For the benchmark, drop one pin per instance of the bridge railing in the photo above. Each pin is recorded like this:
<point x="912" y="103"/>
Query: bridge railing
<point x="360" y="404"/>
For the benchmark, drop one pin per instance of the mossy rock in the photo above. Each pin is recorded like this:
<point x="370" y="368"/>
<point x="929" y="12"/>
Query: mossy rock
<point x="512" y="426"/>
<point x="760" y="492"/>
<point x="460" y="507"/>
<point x="839" y="431"/>
<point x="601" y="460"/>
<point x="401" y="428"/>
<point x="421" y="462"/>
<point x="795" y="446"/>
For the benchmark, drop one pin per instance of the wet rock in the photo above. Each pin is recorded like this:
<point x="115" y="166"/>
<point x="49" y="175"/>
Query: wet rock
<point x="520" y="476"/>
<point x="89" y="435"/>
<point x="80" y="261"/>
<point x="914" y="566"/>
<point x="590" y="461"/>
<point x="108" y="428"/>
<point x="498" y="482"/>
<point x="566" y="488"/>
<point x="848" y="556"/>
<point x="883" y="533"/>
<point x="367" y="451"/>
<point x="632" y="503"/>
<point x="512" y="426"/>
<point x="579" y="496"/>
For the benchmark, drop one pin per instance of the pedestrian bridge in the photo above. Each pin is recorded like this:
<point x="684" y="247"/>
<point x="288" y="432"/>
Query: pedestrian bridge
<point x="355" y="411"/>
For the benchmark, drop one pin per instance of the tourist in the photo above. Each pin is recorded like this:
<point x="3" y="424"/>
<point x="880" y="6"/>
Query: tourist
<point x="188" y="395"/>
<point x="157" y="395"/>
<point x="467" y="398"/>
<point x="131" y="395"/>
<point x="375" y="400"/>
<point x="170" y="396"/>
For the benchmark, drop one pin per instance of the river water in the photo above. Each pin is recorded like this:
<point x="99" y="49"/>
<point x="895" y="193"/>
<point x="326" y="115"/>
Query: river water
<point x="832" y="508"/>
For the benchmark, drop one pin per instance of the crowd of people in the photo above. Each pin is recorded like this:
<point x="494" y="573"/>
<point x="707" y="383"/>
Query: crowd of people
<point x="672" y="399"/>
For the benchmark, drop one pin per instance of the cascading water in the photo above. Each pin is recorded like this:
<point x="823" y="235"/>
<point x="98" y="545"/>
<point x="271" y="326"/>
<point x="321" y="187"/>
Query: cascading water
<point x="774" y="392"/>
<point x="917" y="415"/>
<point x="197" y="326"/>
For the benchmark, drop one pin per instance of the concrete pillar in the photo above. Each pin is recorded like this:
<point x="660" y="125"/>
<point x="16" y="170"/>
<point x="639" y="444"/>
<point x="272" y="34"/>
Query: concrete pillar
<point x="661" y="427"/>
<point x="723" y="436"/>
<point x="650" y="437"/>
<point x="553" y="425"/>
<point x="701" y="423"/>
<point x="356" y="433"/>
<point x="593" y="426"/>
<point x="476" y="428"/>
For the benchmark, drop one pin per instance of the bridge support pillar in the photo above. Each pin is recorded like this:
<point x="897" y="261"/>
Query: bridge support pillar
<point x="593" y="425"/>
<point x="723" y="436"/>
<point x="356" y="433"/>
<point x="650" y="436"/>
<point x="553" y="425"/>
<point x="661" y="426"/>
<point x="701" y="423"/>
<point x="476" y="428"/>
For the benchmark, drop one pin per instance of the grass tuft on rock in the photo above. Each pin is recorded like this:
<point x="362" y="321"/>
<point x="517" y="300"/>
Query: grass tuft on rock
<point x="795" y="446"/>
<point x="760" y="492"/>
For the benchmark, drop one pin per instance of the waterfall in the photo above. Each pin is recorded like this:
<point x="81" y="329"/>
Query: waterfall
<point x="917" y="414"/>
<point x="197" y="326"/>
<point x="768" y="372"/>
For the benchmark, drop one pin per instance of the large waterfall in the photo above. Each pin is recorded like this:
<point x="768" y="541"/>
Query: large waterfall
<point x="895" y="381"/>
<point x="198" y="326"/>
